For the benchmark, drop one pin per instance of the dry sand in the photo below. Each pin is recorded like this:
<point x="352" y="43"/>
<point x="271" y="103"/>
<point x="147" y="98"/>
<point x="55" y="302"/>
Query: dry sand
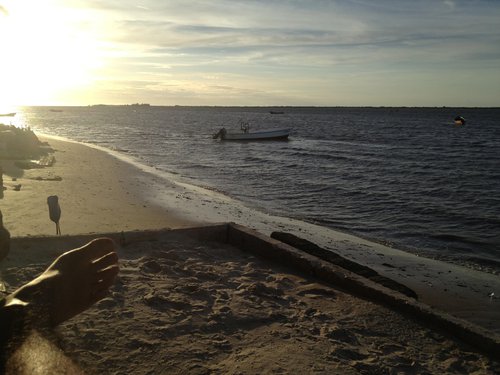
<point x="184" y="308"/>
<point x="181" y="306"/>
<point x="97" y="193"/>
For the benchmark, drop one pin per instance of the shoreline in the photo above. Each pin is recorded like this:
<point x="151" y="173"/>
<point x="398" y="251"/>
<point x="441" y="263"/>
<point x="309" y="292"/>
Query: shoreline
<point x="103" y="191"/>
<point x="96" y="194"/>
<point x="197" y="187"/>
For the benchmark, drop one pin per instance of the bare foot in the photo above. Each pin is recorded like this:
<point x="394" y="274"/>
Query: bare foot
<point x="74" y="282"/>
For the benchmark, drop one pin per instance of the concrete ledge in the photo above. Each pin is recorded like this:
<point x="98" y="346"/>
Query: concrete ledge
<point x="252" y="241"/>
<point x="336" y="259"/>
<point x="215" y="232"/>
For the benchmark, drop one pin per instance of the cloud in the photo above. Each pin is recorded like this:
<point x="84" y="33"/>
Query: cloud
<point x="3" y="11"/>
<point x="449" y="3"/>
<point x="246" y="43"/>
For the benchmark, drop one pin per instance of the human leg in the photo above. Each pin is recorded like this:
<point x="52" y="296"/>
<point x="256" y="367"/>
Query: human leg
<point x="72" y="283"/>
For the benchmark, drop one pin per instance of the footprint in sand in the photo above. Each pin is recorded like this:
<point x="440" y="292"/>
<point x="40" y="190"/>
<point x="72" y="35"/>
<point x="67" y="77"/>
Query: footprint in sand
<point x="317" y="293"/>
<point x="341" y="335"/>
<point x="151" y="266"/>
<point x="390" y="348"/>
<point x="344" y="353"/>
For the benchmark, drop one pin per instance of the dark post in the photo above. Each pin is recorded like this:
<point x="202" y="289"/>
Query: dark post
<point x="54" y="211"/>
<point x="1" y="182"/>
<point x="4" y="239"/>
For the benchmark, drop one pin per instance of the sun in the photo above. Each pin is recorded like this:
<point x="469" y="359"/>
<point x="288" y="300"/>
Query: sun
<point x="48" y="50"/>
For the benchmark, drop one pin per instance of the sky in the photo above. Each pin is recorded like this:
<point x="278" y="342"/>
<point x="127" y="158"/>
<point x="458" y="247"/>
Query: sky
<point x="250" y="53"/>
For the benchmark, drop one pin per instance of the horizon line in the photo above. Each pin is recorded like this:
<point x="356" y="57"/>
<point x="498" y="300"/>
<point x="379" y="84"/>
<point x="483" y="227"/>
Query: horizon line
<point x="146" y="105"/>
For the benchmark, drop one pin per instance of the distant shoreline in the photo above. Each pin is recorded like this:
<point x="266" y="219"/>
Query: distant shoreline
<point x="267" y="107"/>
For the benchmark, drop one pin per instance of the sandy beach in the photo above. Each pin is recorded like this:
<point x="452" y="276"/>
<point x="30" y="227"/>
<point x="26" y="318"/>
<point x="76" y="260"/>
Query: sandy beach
<point x="97" y="193"/>
<point x="184" y="307"/>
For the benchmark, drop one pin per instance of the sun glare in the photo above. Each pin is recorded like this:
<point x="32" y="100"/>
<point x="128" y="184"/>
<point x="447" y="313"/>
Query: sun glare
<point x="47" y="50"/>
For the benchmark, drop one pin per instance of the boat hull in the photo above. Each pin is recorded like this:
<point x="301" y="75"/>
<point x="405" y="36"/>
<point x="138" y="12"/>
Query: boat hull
<point x="263" y="135"/>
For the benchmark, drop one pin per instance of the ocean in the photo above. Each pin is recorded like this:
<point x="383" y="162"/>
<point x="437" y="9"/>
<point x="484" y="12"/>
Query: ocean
<point x="405" y="177"/>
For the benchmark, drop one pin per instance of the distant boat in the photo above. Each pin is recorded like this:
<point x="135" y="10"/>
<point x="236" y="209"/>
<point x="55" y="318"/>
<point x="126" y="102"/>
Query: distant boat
<point x="246" y="135"/>
<point x="12" y="114"/>
<point x="459" y="120"/>
<point x="55" y="110"/>
<point x="276" y="112"/>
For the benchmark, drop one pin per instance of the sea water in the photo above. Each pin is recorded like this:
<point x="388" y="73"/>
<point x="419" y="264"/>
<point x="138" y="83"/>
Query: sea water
<point x="406" y="177"/>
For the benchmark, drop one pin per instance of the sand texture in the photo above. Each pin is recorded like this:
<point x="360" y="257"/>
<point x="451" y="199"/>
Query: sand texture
<point x="184" y="306"/>
<point x="97" y="193"/>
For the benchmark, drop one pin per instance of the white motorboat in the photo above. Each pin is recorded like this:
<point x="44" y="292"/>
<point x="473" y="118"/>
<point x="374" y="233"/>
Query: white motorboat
<point x="246" y="135"/>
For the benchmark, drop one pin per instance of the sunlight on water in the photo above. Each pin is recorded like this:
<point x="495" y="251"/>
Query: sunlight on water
<point x="14" y="116"/>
